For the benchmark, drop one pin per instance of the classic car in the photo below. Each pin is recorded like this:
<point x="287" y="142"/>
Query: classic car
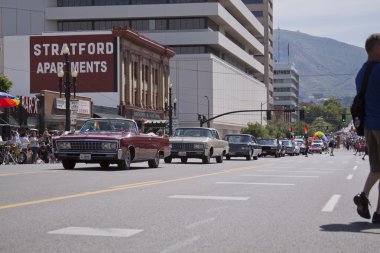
<point x="270" y="146"/>
<point x="289" y="147"/>
<point x="197" y="142"/>
<point x="301" y="144"/>
<point x="242" y="145"/>
<point x="315" y="148"/>
<point x="110" y="141"/>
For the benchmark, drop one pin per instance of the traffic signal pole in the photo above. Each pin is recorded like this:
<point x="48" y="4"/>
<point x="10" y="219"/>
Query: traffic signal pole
<point x="202" y="119"/>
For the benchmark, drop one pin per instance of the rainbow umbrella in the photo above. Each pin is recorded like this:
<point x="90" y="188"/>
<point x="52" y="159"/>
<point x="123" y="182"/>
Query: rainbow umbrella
<point x="8" y="100"/>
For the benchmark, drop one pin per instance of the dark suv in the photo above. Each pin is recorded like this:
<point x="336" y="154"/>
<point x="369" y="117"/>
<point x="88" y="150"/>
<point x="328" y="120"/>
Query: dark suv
<point x="270" y="146"/>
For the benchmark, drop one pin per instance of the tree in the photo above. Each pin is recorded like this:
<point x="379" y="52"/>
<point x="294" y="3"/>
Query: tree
<point x="5" y="84"/>
<point x="256" y="130"/>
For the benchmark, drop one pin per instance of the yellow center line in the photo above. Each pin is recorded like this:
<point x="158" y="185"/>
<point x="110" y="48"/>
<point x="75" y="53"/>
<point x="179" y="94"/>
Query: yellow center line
<point x="128" y="186"/>
<point x="25" y="173"/>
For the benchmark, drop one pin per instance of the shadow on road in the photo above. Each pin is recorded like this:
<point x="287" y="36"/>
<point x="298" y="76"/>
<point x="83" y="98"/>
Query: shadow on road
<point x="354" y="227"/>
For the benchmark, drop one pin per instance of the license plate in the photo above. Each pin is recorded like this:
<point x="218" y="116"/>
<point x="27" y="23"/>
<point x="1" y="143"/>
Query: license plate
<point x="85" y="156"/>
<point x="181" y="153"/>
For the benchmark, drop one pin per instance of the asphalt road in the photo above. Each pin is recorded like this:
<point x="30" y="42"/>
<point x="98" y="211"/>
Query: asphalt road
<point x="290" y="204"/>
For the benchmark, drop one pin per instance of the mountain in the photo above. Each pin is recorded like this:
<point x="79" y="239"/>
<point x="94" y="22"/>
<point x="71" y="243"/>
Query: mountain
<point x="327" y="67"/>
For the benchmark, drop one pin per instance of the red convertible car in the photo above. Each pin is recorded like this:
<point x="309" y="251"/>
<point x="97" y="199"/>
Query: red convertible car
<point x="110" y="141"/>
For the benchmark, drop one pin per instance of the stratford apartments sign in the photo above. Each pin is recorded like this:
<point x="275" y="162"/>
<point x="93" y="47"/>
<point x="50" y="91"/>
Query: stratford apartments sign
<point x="93" y="56"/>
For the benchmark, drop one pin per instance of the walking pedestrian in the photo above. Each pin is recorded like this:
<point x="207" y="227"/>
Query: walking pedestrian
<point x="371" y="126"/>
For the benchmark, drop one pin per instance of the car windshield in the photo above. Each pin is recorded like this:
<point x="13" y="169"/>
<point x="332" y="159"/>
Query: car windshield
<point x="237" y="138"/>
<point x="286" y="143"/>
<point x="267" y="142"/>
<point x="108" y="125"/>
<point x="192" y="132"/>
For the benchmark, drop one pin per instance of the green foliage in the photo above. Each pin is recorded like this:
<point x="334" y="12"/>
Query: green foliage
<point x="256" y="130"/>
<point x="324" y="118"/>
<point x="5" y="84"/>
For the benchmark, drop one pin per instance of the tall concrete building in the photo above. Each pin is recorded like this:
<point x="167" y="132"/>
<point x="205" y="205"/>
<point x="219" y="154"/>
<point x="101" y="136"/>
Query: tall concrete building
<point x="286" y="90"/>
<point x="263" y="11"/>
<point x="220" y="63"/>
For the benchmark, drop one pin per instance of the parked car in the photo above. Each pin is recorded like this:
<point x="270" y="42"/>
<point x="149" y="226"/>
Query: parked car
<point x="315" y="148"/>
<point x="197" y="142"/>
<point x="270" y="146"/>
<point x="289" y="147"/>
<point x="242" y="145"/>
<point x="110" y="141"/>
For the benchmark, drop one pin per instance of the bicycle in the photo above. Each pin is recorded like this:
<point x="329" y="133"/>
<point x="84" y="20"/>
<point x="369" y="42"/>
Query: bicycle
<point x="12" y="154"/>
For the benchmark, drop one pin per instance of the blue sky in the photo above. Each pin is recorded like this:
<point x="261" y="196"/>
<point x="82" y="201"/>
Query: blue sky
<point x="349" y="21"/>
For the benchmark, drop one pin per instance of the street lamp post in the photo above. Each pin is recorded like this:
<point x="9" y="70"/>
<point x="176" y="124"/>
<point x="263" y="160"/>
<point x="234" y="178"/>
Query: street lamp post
<point x="67" y="84"/>
<point x="208" y="111"/>
<point x="261" y="112"/>
<point x="172" y="106"/>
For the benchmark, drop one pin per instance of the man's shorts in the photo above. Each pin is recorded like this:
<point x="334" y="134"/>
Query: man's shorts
<point x="373" y="143"/>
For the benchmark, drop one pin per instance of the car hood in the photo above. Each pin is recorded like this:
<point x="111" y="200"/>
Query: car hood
<point x="92" y="135"/>
<point x="189" y="139"/>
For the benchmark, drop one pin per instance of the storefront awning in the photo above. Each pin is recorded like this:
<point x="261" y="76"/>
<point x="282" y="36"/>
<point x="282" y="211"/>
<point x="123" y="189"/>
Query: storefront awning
<point x="155" y="123"/>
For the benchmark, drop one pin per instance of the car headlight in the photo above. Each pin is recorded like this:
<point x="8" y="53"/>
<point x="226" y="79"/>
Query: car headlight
<point x="64" y="145"/>
<point x="199" y="146"/>
<point x="244" y="147"/>
<point x="109" y="145"/>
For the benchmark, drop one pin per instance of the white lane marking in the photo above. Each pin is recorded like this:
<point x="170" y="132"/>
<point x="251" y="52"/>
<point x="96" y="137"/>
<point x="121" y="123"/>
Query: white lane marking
<point x="176" y="247"/>
<point x="114" y="232"/>
<point x="248" y="175"/>
<point x="216" y="209"/>
<point x="330" y="205"/>
<point x="297" y="171"/>
<point x="208" y="197"/>
<point x="349" y="177"/>
<point x="247" y="183"/>
<point x="199" y="223"/>
<point x="355" y="167"/>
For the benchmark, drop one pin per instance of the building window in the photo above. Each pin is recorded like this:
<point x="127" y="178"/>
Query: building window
<point x="258" y="13"/>
<point x="253" y="1"/>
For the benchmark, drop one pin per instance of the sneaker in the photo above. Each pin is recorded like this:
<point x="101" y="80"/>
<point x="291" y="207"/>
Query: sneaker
<point x="376" y="218"/>
<point x="362" y="202"/>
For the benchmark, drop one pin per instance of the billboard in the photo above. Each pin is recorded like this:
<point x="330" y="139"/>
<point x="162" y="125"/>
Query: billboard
<point x="93" y="56"/>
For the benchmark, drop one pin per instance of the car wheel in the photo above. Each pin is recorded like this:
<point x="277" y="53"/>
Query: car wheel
<point x="206" y="159"/>
<point x="168" y="159"/>
<point x="68" y="164"/>
<point x="219" y="159"/>
<point x="104" y="165"/>
<point x="276" y="155"/>
<point x="183" y="159"/>
<point x="255" y="157"/>
<point x="126" y="163"/>
<point x="228" y="157"/>
<point x="156" y="162"/>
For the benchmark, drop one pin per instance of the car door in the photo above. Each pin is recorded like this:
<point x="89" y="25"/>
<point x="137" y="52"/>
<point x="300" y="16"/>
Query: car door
<point x="217" y="143"/>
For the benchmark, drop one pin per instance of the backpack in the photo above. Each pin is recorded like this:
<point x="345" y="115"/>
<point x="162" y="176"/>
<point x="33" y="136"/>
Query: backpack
<point x="358" y="105"/>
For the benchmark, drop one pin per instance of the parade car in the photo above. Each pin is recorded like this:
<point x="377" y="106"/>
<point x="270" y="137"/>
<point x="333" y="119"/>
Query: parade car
<point x="110" y="141"/>
<point x="197" y="142"/>
<point x="289" y="147"/>
<point x="271" y="146"/>
<point x="315" y="148"/>
<point x="243" y="145"/>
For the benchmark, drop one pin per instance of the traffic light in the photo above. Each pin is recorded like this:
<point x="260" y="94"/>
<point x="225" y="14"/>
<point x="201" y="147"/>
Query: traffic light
<point x="343" y="117"/>
<point x="302" y="114"/>
<point x="269" y="115"/>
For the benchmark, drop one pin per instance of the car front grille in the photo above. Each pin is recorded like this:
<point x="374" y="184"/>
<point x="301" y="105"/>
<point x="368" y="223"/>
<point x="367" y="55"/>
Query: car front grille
<point x="88" y="146"/>
<point x="183" y="146"/>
